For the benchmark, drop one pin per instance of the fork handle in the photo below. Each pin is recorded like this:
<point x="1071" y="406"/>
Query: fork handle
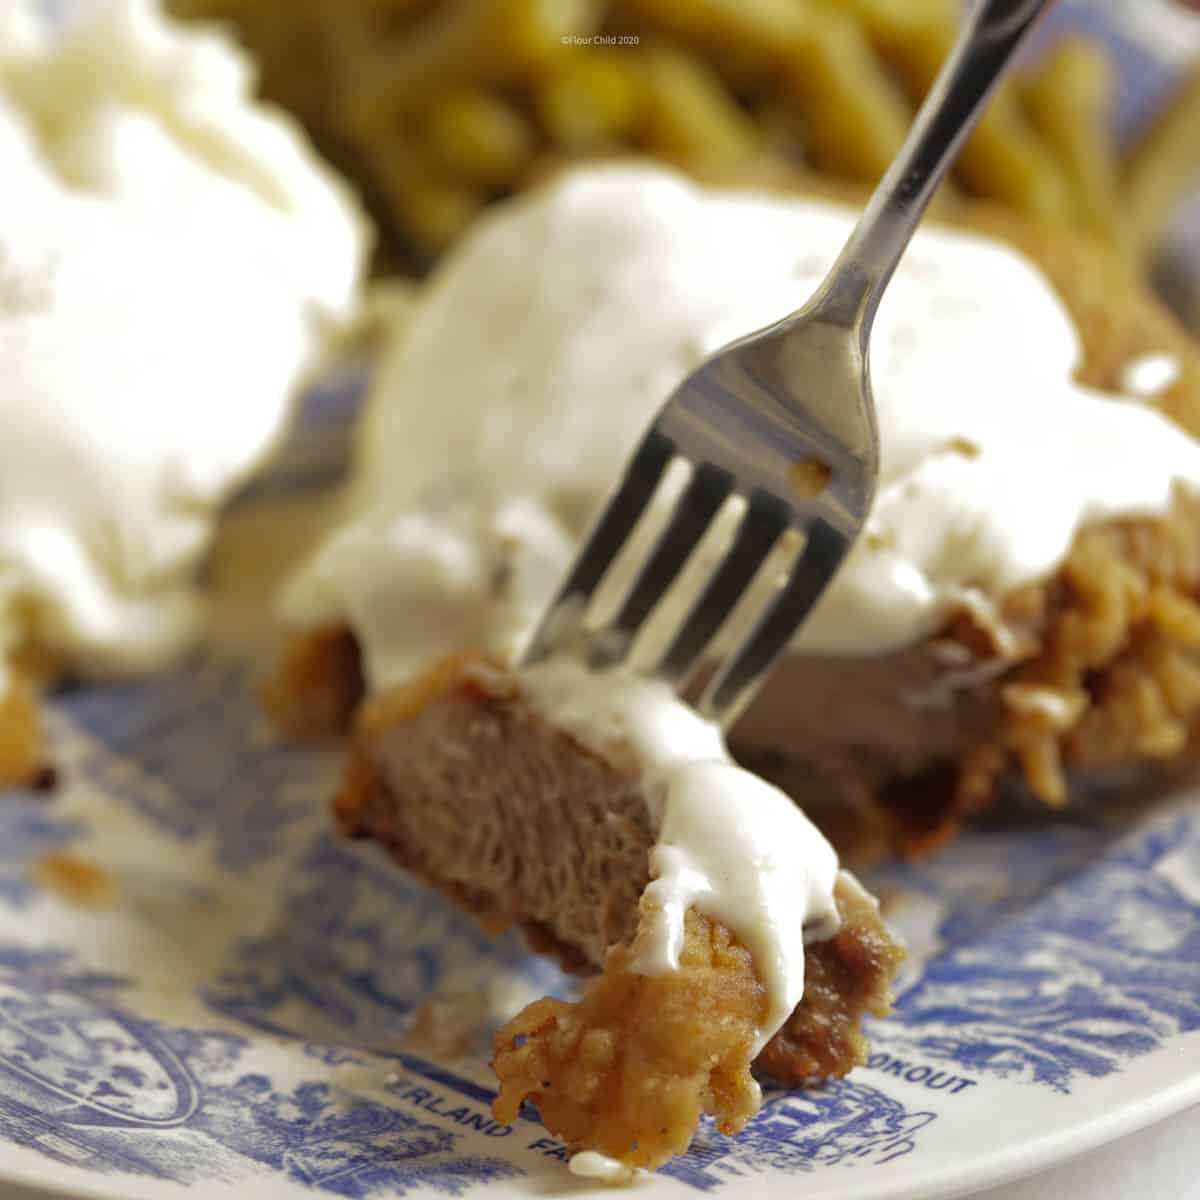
<point x="987" y="44"/>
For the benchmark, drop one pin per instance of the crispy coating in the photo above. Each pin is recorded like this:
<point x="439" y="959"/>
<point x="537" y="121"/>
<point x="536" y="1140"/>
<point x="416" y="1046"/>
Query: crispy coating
<point x="845" y="978"/>
<point x="630" y="1068"/>
<point x="22" y="755"/>
<point x="317" y="684"/>
<point x="1116" y="675"/>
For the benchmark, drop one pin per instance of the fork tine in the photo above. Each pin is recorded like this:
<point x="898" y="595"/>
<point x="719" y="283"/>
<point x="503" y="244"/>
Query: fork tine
<point x="694" y="511"/>
<point x="823" y="552"/>
<point x="566" y="612"/>
<point x="761" y="526"/>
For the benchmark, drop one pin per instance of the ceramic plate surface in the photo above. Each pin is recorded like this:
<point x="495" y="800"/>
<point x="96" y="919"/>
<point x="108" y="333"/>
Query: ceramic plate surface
<point x="202" y="990"/>
<point x="200" y="985"/>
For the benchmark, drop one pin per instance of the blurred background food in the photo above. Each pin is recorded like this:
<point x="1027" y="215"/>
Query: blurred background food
<point x="437" y="107"/>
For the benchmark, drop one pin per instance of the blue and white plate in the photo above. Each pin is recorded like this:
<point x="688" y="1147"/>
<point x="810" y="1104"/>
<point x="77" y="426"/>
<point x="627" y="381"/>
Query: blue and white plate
<point x="227" y="1005"/>
<point x="226" y="1002"/>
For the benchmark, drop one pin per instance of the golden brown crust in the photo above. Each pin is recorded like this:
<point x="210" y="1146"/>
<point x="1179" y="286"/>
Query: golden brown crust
<point x="1116" y="676"/>
<point x="409" y="700"/>
<point x="1105" y="684"/>
<point x="630" y="1068"/>
<point x="22" y="745"/>
<point x="317" y="684"/>
<point x="845" y="977"/>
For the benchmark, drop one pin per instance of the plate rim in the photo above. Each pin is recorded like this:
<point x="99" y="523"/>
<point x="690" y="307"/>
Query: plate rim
<point x="952" y="1181"/>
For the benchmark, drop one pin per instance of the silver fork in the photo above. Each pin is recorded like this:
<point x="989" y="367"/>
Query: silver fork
<point x="783" y="418"/>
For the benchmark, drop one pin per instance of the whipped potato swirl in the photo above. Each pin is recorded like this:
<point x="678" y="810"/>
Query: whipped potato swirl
<point x="172" y="258"/>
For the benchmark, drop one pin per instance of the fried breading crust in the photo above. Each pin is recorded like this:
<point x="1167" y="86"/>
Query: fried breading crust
<point x="631" y="1067"/>
<point x="22" y="749"/>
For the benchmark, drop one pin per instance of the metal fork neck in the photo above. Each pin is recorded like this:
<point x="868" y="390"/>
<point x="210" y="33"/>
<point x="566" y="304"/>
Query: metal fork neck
<point x="994" y="31"/>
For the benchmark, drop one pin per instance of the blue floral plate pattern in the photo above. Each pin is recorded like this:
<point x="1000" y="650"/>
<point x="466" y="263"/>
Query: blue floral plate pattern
<point x="225" y="1006"/>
